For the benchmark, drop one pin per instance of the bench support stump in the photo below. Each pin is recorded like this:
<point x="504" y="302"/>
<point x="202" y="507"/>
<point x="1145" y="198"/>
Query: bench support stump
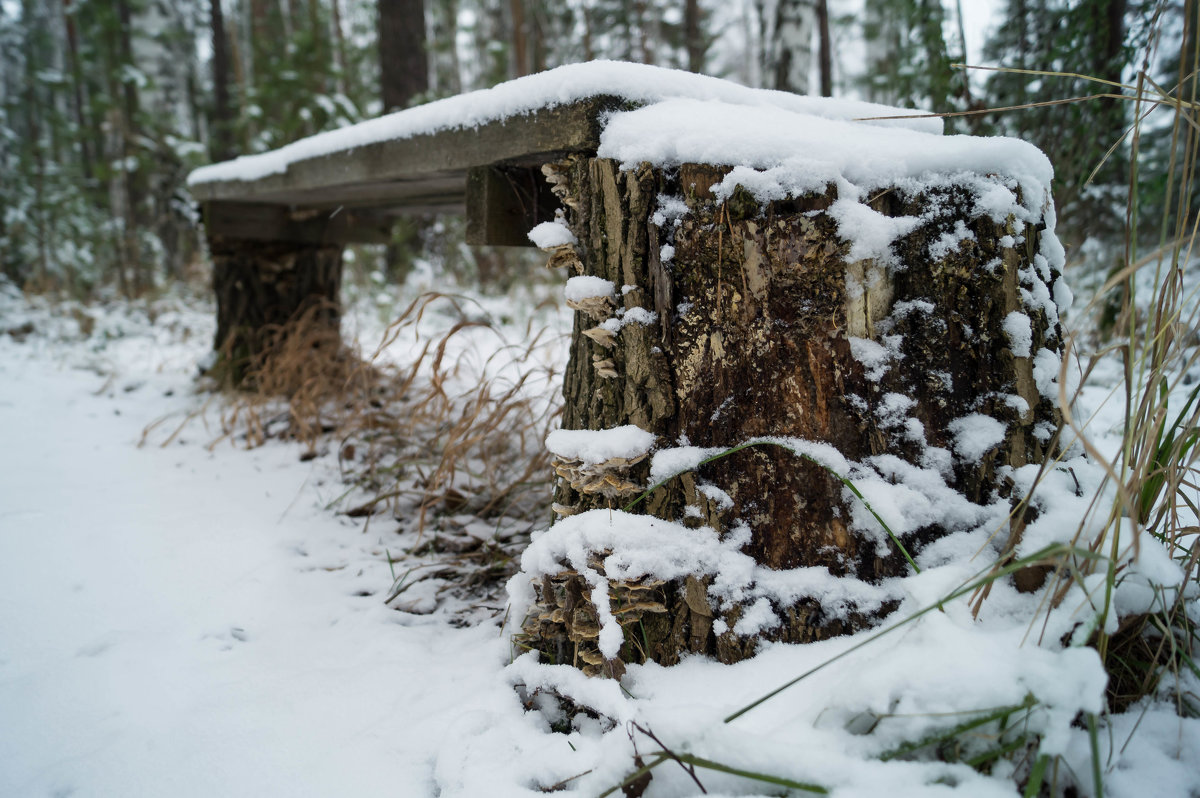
<point x="262" y="285"/>
<point x="738" y="320"/>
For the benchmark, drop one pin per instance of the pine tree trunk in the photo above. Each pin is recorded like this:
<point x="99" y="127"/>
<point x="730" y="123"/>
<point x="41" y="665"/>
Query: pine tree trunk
<point x="404" y="66"/>
<point x="520" y="39"/>
<point x="339" y="45"/>
<point x="758" y="314"/>
<point x="77" y="86"/>
<point x="693" y="34"/>
<point x="221" y="145"/>
<point x="792" y="48"/>
<point x="261" y="286"/>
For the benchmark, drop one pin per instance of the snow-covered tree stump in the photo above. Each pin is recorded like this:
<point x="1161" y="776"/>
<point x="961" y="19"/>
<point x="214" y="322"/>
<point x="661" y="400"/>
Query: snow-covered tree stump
<point x="262" y="285"/>
<point x="902" y="345"/>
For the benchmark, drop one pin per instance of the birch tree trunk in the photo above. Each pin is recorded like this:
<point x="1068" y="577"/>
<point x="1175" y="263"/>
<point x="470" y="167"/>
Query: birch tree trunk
<point x="787" y="34"/>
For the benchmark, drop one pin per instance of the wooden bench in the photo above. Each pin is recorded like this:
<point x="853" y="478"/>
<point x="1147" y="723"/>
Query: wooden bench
<point x="490" y="172"/>
<point x="277" y="222"/>
<point x="277" y="240"/>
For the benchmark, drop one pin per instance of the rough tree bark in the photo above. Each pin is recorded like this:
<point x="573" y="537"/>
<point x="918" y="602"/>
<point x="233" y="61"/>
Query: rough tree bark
<point x="221" y="145"/>
<point x="758" y="312"/>
<point x="695" y="42"/>
<point x="404" y="64"/>
<point x="824" y="48"/>
<point x="263" y="285"/>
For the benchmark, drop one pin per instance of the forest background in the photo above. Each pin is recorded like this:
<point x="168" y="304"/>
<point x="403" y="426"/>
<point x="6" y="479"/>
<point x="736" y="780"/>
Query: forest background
<point x="106" y="105"/>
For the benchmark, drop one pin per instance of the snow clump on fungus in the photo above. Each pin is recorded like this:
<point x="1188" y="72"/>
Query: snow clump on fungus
<point x="598" y="461"/>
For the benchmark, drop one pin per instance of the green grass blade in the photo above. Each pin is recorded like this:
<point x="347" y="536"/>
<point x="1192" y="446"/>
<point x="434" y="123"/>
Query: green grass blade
<point x="951" y="733"/>
<point x="637" y="774"/>
<point x="979" y="761"/>
<point x="1097" y="770"/>
<point x="1036" y="776"/>
<point x="708" y="764"/>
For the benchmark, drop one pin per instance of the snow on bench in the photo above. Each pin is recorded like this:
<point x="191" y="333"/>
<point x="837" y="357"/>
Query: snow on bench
<point x="446" y="155"/>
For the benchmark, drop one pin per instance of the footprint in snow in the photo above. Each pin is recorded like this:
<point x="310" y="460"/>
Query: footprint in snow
<point x="227" y="638"/>
<point x="94" y="649"/>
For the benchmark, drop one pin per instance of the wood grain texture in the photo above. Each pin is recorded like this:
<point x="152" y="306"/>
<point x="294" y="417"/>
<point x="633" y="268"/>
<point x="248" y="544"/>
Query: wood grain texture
<point x="430" y="165"/>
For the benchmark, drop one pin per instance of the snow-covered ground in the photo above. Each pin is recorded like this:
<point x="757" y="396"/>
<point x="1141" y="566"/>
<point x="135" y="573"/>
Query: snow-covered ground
<point x="186" y="622"/>
<point x="196" y="620"/>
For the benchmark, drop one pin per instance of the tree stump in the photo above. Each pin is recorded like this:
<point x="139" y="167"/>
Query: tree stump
<point x="718" y="322"/>
<point x="263" y="285"/>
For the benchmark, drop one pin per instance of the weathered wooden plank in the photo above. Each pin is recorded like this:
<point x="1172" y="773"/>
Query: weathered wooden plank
<point x="441" y="191"/>
<point x="397" y="170"/>
<point x="505" y="203"/>
<point x="254" y="221"/>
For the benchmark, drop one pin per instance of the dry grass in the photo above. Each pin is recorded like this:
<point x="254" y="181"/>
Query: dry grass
<point x="1152" y="483"/>
<point x="302" y="384"/>
<point x="456" y="430"/>
<point x="475" y="449"/>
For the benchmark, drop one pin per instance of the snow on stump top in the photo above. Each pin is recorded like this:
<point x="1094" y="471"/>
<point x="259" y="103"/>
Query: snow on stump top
<point x="852" y="335"/>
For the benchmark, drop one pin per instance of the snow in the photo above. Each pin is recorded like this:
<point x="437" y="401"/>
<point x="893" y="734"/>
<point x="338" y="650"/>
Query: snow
<point x="873" y="356"/>
<point x="666" y="463"/>
<point x="1020" y="333"/>
<point x="638" y="315"/>
<point x="549" y="235"/>
<point x="975" y="435"/>
<point x="781" y="152"/>
<point x="637" y="83"/>
<point x="669" y="210"/>
<point x="184" y="622"/>
<point x="587" y="286"/>
<point x="597" y="446"/>
<point x="1046" y="367"/>
<point x="634" y="315"/>
<point x="191" y="621"/>
<point x="870" y="232"/>
<point x="950" y="242"/>
<point x="715" y="495"/>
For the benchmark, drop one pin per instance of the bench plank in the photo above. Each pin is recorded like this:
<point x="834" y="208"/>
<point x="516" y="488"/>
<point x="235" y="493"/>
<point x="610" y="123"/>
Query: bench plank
<point x="427" y="171"/>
